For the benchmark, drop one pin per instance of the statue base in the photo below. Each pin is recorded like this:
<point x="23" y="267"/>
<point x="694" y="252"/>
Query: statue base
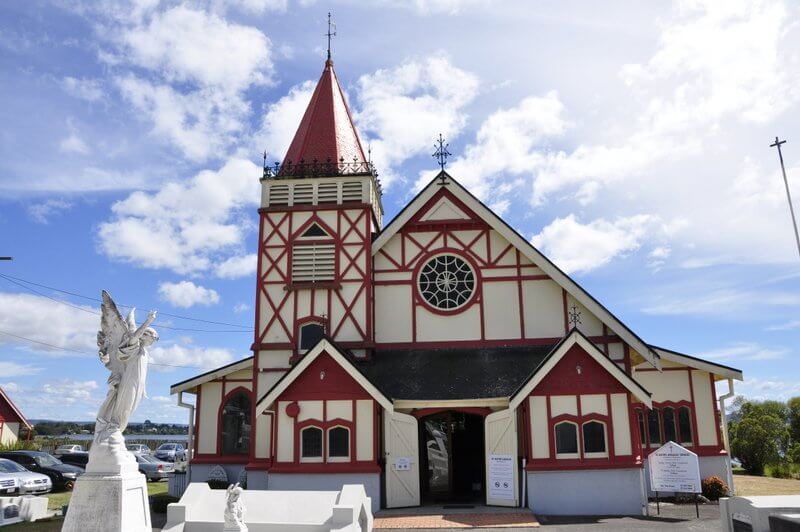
<point x="235" y="528"/>
<point x="106" y="501"/>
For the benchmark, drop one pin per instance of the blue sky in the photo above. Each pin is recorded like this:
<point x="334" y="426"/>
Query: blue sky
<point x="628" y="142"/>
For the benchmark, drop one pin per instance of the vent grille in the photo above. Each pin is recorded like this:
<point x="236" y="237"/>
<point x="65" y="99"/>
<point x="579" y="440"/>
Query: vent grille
<point x="279" y="195"/>
<point x="352" y="191"/>
<point x="303" y="194"/>
<point x="327" y="192"/>
<point x="313" y="262"/>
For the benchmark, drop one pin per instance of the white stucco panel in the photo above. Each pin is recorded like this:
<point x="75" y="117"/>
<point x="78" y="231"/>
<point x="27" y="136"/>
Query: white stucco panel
<point x="339" y="410"/>
<point x="540" y="434"/>
<point x="465" y="325"/>
<point x="393" y="313"/>
<point x="210" y="399"/>
<point x="621" y="420"/>
<point x="563" y="404"/>
<point x="264" y="436"/>
<point x="501" y="310"/>
<point x="666" y="385"/>
<point x="310" y="410"/>
<point x="704" y="408"/>
<point x="594" y="404"/>
<point x="544" y="309"/>
<point x="285" y="434"/>
<point x="364" y="429"/>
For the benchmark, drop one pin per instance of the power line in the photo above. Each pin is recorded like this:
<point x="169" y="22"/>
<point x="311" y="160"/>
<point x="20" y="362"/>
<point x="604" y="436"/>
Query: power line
<point x="19" y="282"/>
<point x="81" y="352"/>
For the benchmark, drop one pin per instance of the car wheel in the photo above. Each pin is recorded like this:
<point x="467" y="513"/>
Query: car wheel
<point x="69" y="485"/>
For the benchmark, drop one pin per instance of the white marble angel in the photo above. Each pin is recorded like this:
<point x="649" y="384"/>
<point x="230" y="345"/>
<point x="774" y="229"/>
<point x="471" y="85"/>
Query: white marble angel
<point x="123" y="350"/>
<point x="234" y="510"/>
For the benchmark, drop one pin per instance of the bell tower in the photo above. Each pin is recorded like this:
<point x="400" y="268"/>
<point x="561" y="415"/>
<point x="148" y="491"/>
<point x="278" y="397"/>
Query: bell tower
<point x="319" y="210"/>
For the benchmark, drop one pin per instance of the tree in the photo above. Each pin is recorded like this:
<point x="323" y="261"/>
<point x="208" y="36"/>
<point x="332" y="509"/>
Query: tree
<point x="794" y="419"/>
<point x="761" y="436"/>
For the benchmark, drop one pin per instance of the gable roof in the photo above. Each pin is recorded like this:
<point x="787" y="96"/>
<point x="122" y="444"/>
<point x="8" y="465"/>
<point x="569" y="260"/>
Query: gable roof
<point x="558" y="352"/>
<point x="698" y="363"/>
<point x="323" y="346"/>
<point x="14" y="408"/>
<point x="209" y="376"/>
<point x="525" y="247"/>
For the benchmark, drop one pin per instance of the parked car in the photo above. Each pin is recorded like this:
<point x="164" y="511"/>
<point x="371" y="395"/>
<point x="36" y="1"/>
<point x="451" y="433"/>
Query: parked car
<point x="138" y="448"/>
<point x="68" y="449"/>
<point x="77" y="459"/>
<point x="28" y="482"/>
<point x="152" y="468"/>
<point x="61" y="475"/>
<point x="9" y="483"/>
<point x="170" y="452"/>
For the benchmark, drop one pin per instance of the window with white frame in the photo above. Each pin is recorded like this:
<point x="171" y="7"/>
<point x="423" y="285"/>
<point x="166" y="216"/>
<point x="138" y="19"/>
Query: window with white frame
<point x="309" y="335"/>
<point x="566" y="434"/>
<point x="595" y="444"/>
<point x="311" y="444"/>
<point x="338" y="444"/>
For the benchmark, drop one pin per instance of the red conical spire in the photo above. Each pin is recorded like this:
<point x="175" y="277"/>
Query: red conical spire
<point x="326" y="132"/>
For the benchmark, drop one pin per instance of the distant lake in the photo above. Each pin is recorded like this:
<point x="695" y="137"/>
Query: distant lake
<point x="128" y="437"/>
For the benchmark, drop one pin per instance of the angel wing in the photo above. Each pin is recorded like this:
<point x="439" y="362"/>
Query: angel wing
<point x="112" y="330"/>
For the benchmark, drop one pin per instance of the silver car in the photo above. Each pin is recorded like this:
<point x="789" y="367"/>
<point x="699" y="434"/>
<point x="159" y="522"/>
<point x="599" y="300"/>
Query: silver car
<point x="152" y="468"/>
<point x="9" y="483"/>
<point x="28" y="481"/>
<point x="138" y="448"/>
<point x="68" y="449"/>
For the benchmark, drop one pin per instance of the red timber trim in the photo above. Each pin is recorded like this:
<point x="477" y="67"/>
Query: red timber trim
<point x="479" y="343"/>
<point x="520" y="298"/>
<point x="714" y="404"/>
<point x="476" y="410"/>
<point x="325" y="468"/>
<point x="327" y="207"/>
<point x="197" y="421"/>
<point x="223" y="401"/>
<point x="571" y="464"/>
<point x="566" y="316"/>
<point x="218" y="459"/>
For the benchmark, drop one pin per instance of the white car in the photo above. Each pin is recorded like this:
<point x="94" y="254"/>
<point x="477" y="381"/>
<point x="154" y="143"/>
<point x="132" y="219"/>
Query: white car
<point x="138" y="449"/>
<point x="28" y="482"/>
<point x="9" y="483"/>
<point x="68" y="449"/>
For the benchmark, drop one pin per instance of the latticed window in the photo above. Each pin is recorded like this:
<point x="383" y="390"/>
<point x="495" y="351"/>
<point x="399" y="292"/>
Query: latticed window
<point x="594" y="437"/>
<point x="566" y="439"/>
<point x="685" y="425"/>
<point x="310" y="334"/>
<point x="446" y="282"/>
<point x="311" y="442"/>
<point x="654" y="428"/>
<point x="236" y="425"/>
<point x="339" y="442"/>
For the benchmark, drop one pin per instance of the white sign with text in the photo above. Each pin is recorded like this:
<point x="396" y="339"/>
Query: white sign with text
<point x="674" y="468"/>
<point x="501" y="476"/>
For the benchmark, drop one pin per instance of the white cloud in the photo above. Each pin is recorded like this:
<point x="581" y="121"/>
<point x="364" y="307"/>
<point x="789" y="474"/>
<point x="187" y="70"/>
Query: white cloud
<point x="745" y="351"/>
<point x="435" y="7"/>
<point x="41" y="212"/>
<point x="43" y="320"/>
<point x="186" y="294"/>
<point x="256" y="6"/>
<point x="238" y="266"/>
<point x="68" y="392"/>
<point x="73" y="144"/>
<point x="241" y="307"/>
<point x="87" y="89"/>
<point x="762" y="388"/>
<point x="429" y="93"/>
<point x="183" y="355"/>
<point x="13" y="369"/>
<point x="281" y="119"/>
<point x="10" y="387"/>
<point x="185" y="227"/>
<point x="577" y="247"/>
<point x="719" y="302"/>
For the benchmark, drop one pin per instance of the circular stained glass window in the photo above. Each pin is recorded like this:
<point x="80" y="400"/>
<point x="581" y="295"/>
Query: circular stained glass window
<point x="446" y="282"/>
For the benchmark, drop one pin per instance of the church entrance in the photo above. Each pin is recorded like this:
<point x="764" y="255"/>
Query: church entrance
<point x="452" y="458"/>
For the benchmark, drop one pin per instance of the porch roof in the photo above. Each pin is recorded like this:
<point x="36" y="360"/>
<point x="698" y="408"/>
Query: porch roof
<point x="452" y="374"/>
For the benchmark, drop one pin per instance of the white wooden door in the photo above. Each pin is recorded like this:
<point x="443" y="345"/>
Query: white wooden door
<point x="502" y="469"/>
<point x="401" y="445"/>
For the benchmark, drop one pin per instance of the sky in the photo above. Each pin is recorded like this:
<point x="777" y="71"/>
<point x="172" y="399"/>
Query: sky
<point x="629" y="142"/>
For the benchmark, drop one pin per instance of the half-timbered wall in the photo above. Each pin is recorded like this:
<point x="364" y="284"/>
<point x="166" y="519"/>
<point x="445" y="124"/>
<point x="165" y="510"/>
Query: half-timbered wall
<point x="515" y="301"/>
<point x="211" y="397"/>
<point x="579" y="390"/>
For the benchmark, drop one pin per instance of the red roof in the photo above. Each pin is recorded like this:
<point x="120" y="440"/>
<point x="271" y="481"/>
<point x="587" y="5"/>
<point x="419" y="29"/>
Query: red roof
<point x="9" y="411"/>
<point x="326" y="132"/>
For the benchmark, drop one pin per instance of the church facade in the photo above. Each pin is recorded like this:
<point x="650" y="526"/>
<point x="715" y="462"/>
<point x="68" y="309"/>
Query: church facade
<point x="437" y="357"/>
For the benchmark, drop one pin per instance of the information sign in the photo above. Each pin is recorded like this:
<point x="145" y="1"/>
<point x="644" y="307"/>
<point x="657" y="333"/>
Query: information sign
<point x="501" y="476"/>
<point x="674" y="468"/>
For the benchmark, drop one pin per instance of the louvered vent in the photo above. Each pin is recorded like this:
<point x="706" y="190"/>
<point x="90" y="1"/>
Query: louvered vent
<point x="352" y="191"/>
<point x="279" y="195"/>
<point x="303" y="194"/>
<point x="313" y="262"/>
<point x="326" y="192"/>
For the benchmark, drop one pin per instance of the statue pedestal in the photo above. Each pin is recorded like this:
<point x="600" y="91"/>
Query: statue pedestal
<point x="108" y="501"/>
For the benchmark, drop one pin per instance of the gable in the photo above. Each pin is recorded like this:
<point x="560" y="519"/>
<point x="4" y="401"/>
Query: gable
<point x="444" y="208"/>
<point x="190" y="385"/>
<point x="566" y="377"/>
<point x="386" y="249"/>
<point x="9" y="413"/>
<point x="324" y="378"/>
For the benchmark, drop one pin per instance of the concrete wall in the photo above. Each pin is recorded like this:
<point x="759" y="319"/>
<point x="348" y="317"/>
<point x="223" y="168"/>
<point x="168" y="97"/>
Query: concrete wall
<point x="587" y="492"/>
<point x="200" y="472"/>
<point x="323" y="482"/>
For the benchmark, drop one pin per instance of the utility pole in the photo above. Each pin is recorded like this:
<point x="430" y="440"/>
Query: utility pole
<point x="777" y="144"/>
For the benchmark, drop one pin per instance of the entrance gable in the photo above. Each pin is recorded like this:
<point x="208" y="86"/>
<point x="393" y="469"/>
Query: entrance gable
<point x="324" y="378"/>
<point x="578" y="372"/>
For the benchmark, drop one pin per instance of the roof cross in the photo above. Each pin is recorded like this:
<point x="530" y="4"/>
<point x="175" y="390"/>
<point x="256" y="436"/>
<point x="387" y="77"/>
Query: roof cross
<point x="331" y="26"/>
<point x="574" y="316"/>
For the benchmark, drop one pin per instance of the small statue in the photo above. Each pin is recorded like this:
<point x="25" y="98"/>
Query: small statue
<point x="234" y="510"/>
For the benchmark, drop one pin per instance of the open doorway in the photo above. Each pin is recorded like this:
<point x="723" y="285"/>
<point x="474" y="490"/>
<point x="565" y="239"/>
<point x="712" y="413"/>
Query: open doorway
<point x="452" y="458"/>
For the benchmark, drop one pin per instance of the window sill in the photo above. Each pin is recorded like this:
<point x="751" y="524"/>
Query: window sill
<point x="324" y="285"/>
<point x="311" y="460"/>
<point x="567" y="456"/>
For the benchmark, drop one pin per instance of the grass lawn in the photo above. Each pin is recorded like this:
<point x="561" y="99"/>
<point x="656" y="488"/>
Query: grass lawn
<point x="749" y="485"/>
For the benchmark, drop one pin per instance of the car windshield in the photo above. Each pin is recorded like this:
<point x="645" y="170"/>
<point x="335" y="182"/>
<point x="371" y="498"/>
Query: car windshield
<point x="46" y="460"/>
<point x="167" y="447"/>
<point x="7" y="466"/>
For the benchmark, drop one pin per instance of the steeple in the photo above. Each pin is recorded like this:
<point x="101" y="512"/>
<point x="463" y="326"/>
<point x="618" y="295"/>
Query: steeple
<point x="326" y="133"/>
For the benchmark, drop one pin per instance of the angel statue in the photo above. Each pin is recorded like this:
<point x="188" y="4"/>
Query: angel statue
<point x="123" y="350"/>
<point x="234" y="510"/>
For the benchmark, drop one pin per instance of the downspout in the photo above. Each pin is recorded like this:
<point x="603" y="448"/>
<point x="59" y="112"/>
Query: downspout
<point x="190" y="442"/>
<point x="725" y="440"/>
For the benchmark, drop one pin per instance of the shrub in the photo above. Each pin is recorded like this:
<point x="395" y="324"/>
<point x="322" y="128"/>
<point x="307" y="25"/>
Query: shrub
<point x="20" y="445"/>
<point x="714" y="488"/>
<point x="781" y="470"/>
<point x="158" y="503"/>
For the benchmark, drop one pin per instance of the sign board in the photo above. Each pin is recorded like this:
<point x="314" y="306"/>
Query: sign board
<point x="402" y="463"/>
<point x="674" y="468"/>
<point x="501" y="476"/>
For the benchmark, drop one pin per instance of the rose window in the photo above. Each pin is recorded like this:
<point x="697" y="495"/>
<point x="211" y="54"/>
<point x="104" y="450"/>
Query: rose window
<point x="446" y="282"/>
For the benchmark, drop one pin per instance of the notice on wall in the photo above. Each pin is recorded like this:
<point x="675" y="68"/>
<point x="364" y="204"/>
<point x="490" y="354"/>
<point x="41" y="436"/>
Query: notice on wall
<point x="501" y="476"/>
<point x="674" y="468"/>
<point x="402" y="463"/>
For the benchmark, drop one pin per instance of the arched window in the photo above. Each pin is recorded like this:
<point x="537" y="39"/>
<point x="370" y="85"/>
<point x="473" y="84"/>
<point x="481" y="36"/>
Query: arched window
<point x="642" y="429"/>
<point x="594" y="439"/>
<point x="236" y="424"/>
<point x="311" y="444"/>
<point x="670" y="434"/>
<point x="338" y="444"/>
<point x="685" y="425"/>
<point x="654" y="428"/>
<point x="566" y="440"/>
<point x="310" y="334"/>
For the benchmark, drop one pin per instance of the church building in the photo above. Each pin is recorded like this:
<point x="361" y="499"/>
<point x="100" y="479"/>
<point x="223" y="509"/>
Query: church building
<point x="438" y="357"/>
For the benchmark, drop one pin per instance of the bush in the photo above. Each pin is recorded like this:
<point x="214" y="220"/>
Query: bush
<point x="20" y="445"/>
<point x="781" y="470"/>
<point x="158" y="503"/>
<point x="714" y="488"/>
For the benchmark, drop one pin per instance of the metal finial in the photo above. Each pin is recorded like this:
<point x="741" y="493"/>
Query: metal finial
<point x="574" y="316"/>
<point x="441" y="154"/>
<point x="331" y="26"/>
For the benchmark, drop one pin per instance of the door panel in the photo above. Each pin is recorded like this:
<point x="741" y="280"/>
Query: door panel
<point x="401" y="445"/>
<point x="502" y="472"/>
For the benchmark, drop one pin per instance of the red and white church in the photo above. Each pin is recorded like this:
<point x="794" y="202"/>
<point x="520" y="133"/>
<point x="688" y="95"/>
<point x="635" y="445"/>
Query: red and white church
<point x="437" y="357"/>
